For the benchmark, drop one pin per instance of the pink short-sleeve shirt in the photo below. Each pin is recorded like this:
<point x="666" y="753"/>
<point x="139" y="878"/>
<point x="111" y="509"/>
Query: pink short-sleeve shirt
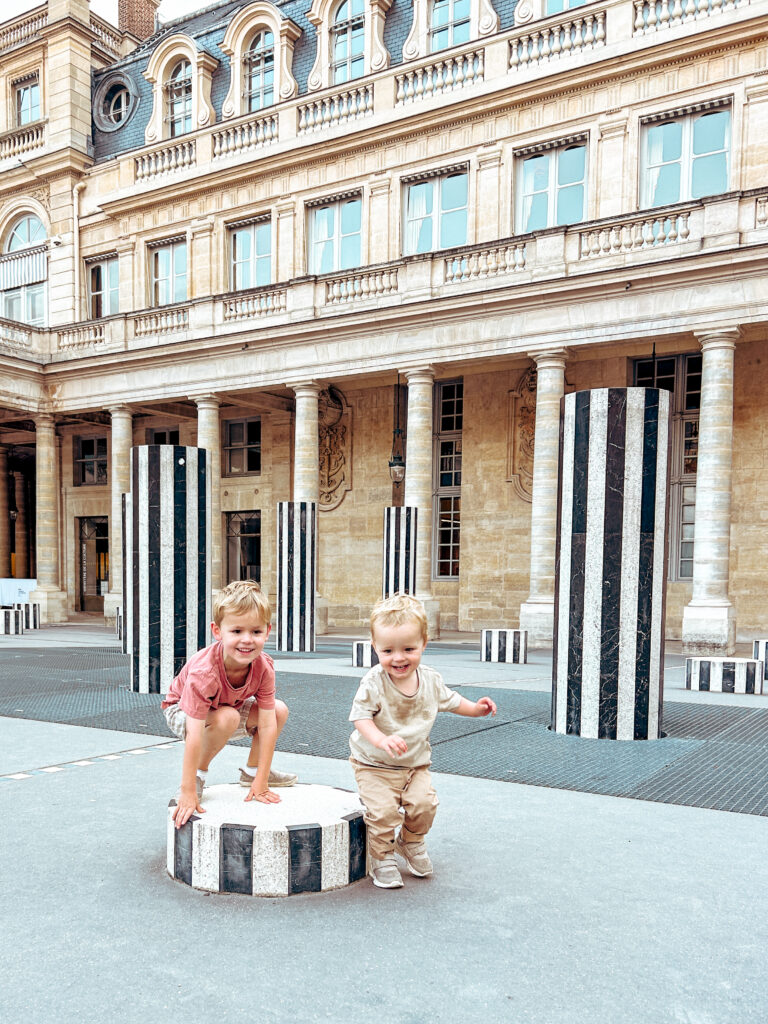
<point x="202" y="684"/>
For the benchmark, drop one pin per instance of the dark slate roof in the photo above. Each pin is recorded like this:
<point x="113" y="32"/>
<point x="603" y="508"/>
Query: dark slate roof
<point x="207" y="28"/>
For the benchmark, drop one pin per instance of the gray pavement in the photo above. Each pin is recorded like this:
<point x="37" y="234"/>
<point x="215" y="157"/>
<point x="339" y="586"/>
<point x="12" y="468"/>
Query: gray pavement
<point x="547" y="906"/>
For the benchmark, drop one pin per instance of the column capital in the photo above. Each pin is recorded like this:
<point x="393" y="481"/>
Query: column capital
<point x="420" y="374"/>
<point x="550" y="358"/>
<point x="722" y="338"/>
<point x="208" y="401"/>
<point x="44" y="419"/>
<point x="119" y="410"/>
<point x="306" y="388"/>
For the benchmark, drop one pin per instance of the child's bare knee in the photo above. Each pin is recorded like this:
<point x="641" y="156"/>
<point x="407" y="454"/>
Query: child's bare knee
<point x="224" y="720"/>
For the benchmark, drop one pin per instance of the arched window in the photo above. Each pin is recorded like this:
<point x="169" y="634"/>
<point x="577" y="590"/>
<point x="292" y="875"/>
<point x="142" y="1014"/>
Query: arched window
<point x="259" y="72"/>
<point x="449" y="24"/>
<point x="348" y="41"/>
<point x="178" y="99"/>
<point x="23" y="271"/>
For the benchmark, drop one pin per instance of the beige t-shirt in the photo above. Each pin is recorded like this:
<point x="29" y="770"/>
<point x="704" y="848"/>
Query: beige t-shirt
<point x="411" y="718"/>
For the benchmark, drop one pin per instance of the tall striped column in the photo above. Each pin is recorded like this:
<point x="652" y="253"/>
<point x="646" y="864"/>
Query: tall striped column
<point x="610" y="585"/>
<point x="168" y="562"/>
<point x="296" y="560"/>
<point x="399" y="569"/>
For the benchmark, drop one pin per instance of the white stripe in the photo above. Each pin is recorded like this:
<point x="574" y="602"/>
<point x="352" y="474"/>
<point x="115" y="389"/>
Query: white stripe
<point x="205" y="856"/>
<point x="143" y="515"/>
<point x="170" y="844"/>
<point x="564" y="575"/>
<point x="592" y="637"/>
<point x="209" y="483"/>
<point x="270" y="860"/>
<point x="281" y="573"/>
<point x="655" y="680"/>
<point x="334" y="866"/>
<point x="130" y="583"/>
<point x="193" y="562"/>
<point x="630" y="556"/>
<point x="167" y="531"/>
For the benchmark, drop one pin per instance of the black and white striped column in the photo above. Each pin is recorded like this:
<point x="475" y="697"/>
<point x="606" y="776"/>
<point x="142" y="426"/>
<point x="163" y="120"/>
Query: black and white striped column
<point x="126" y="626"/>
<point x="610" y="582"/>
<point x="30" y="614"/>
<point x="759" y="653"/>
<point x="168" y="585"/>
<point x="364" y="654"/>
<point x="11" y="621"/>
<point x="399" y="570"/>
<point x="504" y="645"/>
<point x="296" y="562"/>
<point x="724" y="675"/>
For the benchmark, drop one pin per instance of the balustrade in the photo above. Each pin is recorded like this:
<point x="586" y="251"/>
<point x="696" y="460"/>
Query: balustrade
<point x="175" y="157"/>
<point x="647" y="232"/>
<point x="166" y="320"/>
<point x="238" y="138"/>
<point x="655" y="15"/>
<point x="329" y="111"/>
<point x="487" y="262"/>
<point x="452" y="72"/>
<point x="245" y="305"/>
<point x="559" y="39"/>
<point x="22" y="140"/>
<point x="365" y="285"/>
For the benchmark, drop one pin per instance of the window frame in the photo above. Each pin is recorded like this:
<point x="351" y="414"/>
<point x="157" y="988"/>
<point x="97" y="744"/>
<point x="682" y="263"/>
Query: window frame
<point x="352" y="32"/>
<point x="227" y="447"/>
<point x="450" y="26"/>
<point x="79" y="460"/>
<point x="28" y="256"/>
<point x="166" y="56"/>
<point x="174" y="91"/>
<point x="554" y="152"/>
<point x="257" y="61"/>
<point x="171" y="245"/>
<point x="231" y="536"/>
<point x="106" y="264"/>
<point x="337" y="237"/>
<point x="255" y="226"/>
<point x="688" y="118"/>
<point x="447" y="491"/>
<point x="437" y="179"/>
<point x="20" y="86"/>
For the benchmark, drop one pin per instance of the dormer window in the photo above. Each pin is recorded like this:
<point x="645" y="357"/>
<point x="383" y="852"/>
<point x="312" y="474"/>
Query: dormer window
<point x="178" y="99"/>
<point x="259" y="71"/>
<point x="442" y="24"/>
<point x="449" y="24"/>
<point x="348" y="41"/>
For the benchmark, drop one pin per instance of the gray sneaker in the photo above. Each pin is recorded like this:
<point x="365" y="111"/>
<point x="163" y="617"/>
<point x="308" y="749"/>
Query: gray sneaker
<point x="385" y="873"/>
<point x="415" y="856"/>
<point x="276" y="779"/>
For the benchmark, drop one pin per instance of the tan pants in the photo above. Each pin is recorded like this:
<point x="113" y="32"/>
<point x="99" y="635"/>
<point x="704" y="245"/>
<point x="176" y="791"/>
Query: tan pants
<point x="383" y="792"/>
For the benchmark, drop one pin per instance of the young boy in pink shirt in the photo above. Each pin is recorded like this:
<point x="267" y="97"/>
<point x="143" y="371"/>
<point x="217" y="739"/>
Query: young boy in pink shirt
<point x="226" y="691"/>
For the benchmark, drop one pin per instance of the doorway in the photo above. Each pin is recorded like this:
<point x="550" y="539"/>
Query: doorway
<point x="93" y="569"/>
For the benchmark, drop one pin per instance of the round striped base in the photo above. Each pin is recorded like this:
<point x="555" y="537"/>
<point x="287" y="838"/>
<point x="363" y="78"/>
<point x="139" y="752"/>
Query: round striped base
<point x="312" y="841"/>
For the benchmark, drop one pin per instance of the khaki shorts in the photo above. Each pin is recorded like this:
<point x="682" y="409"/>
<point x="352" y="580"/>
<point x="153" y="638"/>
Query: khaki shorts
<point x="177" y="721"/>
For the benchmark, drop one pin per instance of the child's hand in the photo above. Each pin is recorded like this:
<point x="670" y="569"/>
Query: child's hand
<point x="264" y="796"/>
<point x="395" y="746"/>
<point x="187" y="804"/>
<point x="485" y="706"/>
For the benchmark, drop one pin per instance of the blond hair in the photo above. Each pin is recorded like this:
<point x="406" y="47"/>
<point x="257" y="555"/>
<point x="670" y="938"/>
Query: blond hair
<point x="240" y="598"/>
<point x="398" y="609"/>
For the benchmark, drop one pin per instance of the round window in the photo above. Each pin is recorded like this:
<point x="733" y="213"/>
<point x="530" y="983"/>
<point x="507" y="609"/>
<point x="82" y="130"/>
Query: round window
<point x="114" y="102"/>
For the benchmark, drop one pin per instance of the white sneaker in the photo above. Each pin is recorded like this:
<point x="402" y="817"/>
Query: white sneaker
<point x="385" y="873"/>
<point x="415" y="856"/>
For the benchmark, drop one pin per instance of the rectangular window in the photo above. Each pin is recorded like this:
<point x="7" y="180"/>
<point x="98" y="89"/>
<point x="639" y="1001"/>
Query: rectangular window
<point x="449" y="418"/>
<point x="244" y="545"/>
<point x="242" y="446"/>
<point x="686" y="157"/>
<point x="681" y="375"/>
<point x="103" y="288"/>
<point x="27" y="97"/>
<point x="90" y="461"/>
<point x="449" y="24"/>
<point x="435" y="213"/>
<point x="26" y="305"/>
<point x="552" y="188"/>
<point x="168" y="271"/>
<point x="251" y="257"/>
<point x="162" y="436"/>
<point x="335" y="236"/>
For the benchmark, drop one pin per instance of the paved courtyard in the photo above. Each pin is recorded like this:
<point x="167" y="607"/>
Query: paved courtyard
<point x="575" y="880"/>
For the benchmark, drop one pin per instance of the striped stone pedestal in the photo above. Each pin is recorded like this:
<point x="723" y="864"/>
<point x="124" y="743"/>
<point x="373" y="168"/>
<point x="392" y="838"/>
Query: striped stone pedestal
<point x="724" y="675"/>
<point x="11" y="621"/>
<point x="363" y="654"/>
<point x="759" y="654"/>
<point x="167" y="588"/>
<point x="399" y="568"/>
<point x="610" y="577"/>
<point x="510" y="645"/>
<point x="312" y="841"/>
<point x="296" y="561"/>
<point x="30" y="614"/>
<point x="119" y="622"/>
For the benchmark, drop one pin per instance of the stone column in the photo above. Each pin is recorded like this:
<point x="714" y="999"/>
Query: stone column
<point x="537" y="614"/>
<point x="419" y="483"/>
<point x="709" y="624"/>
<point x="120" y="481"/>
<point x="20" y="531"/>
<point x="5" y="521"/>
<point x="52" y="600"/>
<point x="209" y="437"/>
<point x="306" y="469"/>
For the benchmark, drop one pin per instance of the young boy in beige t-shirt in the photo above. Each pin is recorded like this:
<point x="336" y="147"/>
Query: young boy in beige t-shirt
<point x="393" y="712"/>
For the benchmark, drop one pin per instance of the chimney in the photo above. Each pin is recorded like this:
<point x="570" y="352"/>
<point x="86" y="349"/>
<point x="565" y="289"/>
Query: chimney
<point x="137" y="17"/>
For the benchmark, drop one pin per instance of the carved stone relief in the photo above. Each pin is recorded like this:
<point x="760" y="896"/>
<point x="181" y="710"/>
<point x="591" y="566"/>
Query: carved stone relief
<point x="521" y="426"/>
<point x="335" y="428"/>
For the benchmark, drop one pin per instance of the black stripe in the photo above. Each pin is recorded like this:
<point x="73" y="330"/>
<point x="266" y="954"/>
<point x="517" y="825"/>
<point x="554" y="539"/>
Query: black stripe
<point x="578" y="560"/>
<point x="202" y="545"/>
<point x="312" y="540"/>
<point x="182" y="851"/>
<point x="123" y="634"/>
<point x="236" y="859"/>
<point x="613" y="528"/>
<point x="704" y="675"/>
<point x="557" y="654"/>
<point x="180" y="513"/>
<point x="301" y="578"/>
<point x="155" y="510"/>
<point x="358" y="655"/>
<point x="305" y="864"/>
<point x="288" y="582"/>
<point x="136" y="568"/>
<point x="488" y="644"/>
<point x="750" y="680"/>
<point x="729" y="677"/>
<point x="280" y="639"/>
<point x="389" y="515"/>
<point x="412" y="537"/>
<point x="646" y="557"/>
<point x="357" y="845"/>
<point x="374" y="656"/>
<point x="688" y="664"/>
<point x="516" y="646"/>
<point x="502" y="637"/>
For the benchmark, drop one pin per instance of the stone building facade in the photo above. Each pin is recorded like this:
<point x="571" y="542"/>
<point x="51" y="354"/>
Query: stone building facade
<point x="293" y="235"/>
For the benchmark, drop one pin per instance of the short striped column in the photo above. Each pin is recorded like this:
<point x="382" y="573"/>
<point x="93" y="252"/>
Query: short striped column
<point x="30" y="614"/>
<point x="119" y="622"/>
<point x="364" y="654"/>
<point x="399" y="569"/>
<point x="724" y="675"/>
<point x="11" y="621"/>
<point x="296" y="562"/>
<point x="759" y="654"/>
<point x="610" y="582"/>
<point x="510" y="645"/>
<point x="167" y="591"/>
<point x="314" y="840"/>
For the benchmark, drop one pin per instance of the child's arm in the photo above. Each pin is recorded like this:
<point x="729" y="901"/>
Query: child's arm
<point x="475" y="709"/>
<point x="188" y="804"/>
<point x="395" y="745"/>
<point x="267" y="729"/>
